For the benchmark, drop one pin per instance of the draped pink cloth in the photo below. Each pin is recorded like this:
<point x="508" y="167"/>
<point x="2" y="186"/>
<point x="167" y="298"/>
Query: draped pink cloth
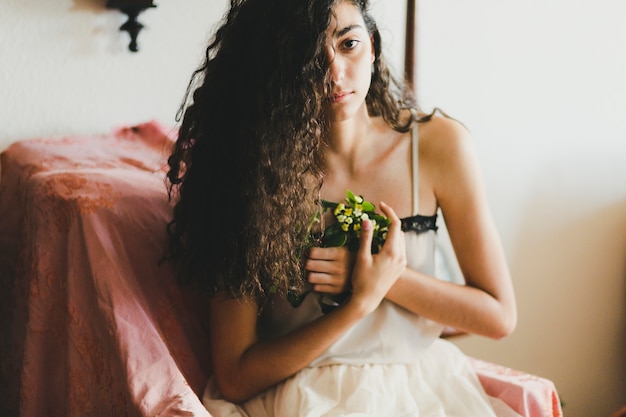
<point x="93" y="324"/>
<point x="527" y="394"/>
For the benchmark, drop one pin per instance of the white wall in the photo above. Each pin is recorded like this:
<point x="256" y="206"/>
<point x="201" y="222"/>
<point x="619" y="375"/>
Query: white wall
<point x="541" y="84"/>
<point x="65" y="67"/>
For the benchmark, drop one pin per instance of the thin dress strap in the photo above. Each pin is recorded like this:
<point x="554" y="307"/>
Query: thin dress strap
<point x="415" y="169"/>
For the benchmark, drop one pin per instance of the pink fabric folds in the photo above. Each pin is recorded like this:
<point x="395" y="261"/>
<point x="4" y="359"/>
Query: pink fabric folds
<point x="93" y="324"/>
<point x="529" y="395"/>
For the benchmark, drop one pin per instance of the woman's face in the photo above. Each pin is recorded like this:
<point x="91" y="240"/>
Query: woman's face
<point x="351" y="54"/>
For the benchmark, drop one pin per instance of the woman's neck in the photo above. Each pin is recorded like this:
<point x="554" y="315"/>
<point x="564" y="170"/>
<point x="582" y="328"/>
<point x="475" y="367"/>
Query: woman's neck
<point x="349" y="139"/>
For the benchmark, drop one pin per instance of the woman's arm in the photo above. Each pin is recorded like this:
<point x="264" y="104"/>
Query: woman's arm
<point x="486" y="304"/>
<point x="244" y="366"/>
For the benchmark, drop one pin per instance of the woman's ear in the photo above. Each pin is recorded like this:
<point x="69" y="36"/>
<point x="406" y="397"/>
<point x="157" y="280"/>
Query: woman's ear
<point x="373" y="49"/>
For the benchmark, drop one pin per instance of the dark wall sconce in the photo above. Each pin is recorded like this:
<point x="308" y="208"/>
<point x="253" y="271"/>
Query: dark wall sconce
<point x="132" y="8"/>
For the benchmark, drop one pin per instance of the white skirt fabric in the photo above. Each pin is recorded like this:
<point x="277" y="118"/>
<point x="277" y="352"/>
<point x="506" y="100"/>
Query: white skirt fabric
<point x="442" y="383"/>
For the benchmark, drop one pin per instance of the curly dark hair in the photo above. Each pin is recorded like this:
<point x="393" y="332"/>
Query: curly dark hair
<point x="245" y="172"/>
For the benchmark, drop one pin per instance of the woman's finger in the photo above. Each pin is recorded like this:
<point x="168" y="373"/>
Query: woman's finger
<point x="395" y="225"/>
<point x="325" y="253"/>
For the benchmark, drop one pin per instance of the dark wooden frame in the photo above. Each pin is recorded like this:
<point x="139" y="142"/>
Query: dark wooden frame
<point x="409" y="44"/>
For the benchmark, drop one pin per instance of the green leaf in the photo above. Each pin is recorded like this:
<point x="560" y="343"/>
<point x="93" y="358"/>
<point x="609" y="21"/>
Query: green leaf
<point x="368" y="207"/>
<point x="334" y="236"/>
<point x="381" y="220"/>
<point x="328" y="205"/>
<point x="353" y="245"/>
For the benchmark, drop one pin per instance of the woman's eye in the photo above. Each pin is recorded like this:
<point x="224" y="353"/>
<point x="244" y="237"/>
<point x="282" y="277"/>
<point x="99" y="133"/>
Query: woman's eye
<point x="350" y="44"/>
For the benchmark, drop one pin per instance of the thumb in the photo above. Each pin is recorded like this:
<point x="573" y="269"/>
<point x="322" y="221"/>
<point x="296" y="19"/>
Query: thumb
<point x="365" y="243"/>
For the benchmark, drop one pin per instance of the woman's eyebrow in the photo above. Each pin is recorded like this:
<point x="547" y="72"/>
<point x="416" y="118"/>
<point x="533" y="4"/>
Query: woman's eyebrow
<point x="346" y="29"/>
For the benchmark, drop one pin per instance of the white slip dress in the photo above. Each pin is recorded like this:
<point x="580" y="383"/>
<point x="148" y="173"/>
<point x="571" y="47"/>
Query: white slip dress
<point x="391" y="363"/>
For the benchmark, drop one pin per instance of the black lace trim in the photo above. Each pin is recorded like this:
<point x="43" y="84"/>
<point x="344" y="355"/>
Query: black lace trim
<point x="419" y="223"/>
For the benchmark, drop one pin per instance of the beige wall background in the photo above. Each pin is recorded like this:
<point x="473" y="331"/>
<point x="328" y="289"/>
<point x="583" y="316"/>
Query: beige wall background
<point x="540" y="84"/>
<point x="542" y="87"/>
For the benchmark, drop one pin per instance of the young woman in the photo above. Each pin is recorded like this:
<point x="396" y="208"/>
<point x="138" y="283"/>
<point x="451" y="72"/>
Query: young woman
<point x="294" y="105"/>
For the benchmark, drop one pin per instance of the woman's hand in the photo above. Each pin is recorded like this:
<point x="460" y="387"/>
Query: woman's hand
<point x="329" y="269"/>
<point x="373" y="275"/>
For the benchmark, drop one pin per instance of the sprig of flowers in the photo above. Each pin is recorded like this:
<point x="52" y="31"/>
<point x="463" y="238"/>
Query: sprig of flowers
<point x="346" y="231"/>
<point x="350" y="215"/>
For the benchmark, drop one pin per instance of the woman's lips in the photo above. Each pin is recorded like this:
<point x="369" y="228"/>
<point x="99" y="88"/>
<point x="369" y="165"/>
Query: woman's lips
<point x="340" y="97"/>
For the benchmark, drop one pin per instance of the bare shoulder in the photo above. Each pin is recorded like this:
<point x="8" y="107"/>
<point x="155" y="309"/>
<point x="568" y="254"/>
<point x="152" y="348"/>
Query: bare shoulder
<point x="447" y="153"/>
<point x="442" y="136"/>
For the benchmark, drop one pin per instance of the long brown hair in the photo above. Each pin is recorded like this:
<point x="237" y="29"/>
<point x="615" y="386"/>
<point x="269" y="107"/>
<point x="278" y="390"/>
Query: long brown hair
<point x="245" y="172"/>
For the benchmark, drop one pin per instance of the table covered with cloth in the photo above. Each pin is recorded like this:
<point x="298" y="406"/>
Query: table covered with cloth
<point x="93" y="322"/>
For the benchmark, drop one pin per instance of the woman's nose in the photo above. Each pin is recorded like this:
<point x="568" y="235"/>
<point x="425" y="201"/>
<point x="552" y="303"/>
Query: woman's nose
<point x="337" y="69"/>
<point x="336" y="66"/>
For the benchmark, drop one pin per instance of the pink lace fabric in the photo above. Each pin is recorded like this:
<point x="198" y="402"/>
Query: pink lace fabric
<point x="93" y="324"/>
